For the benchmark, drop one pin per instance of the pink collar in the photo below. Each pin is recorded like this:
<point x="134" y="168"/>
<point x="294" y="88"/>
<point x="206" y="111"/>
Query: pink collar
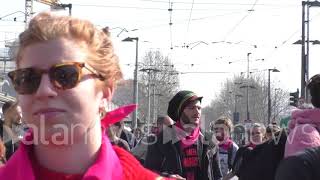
<point x="106" y="167"/>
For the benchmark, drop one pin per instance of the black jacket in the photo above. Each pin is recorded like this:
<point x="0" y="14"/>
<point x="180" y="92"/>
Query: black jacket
<point x="165" y="156"/>
<point x="261" y="162"/>
<point x="303" y="166"/>
<point x="129" y="137"/>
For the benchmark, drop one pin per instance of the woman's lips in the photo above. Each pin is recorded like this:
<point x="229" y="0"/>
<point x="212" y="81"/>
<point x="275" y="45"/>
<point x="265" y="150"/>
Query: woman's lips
<point x="48" y="113"/>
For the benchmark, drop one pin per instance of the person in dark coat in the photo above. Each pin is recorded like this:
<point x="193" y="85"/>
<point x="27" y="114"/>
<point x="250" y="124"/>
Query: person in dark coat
<point x="124" y="134"/>
<point x="262" y="161"/>
<point x="302" y="153"/>
<point x="182" y="149"/>
<point x="304" y="165"/>
<point x="13" y="130"/>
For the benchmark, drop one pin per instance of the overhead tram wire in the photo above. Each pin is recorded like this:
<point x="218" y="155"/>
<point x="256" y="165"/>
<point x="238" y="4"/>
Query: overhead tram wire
<point x="285" y="42"/>
<point x="197" y="19"/>
<point x="243" y="18"/>
<point x="218" y="3"/>
<point x="189" y="20"/>
<point x="148" y="8"/>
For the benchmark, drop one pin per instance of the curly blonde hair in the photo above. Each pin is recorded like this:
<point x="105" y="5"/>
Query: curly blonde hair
<point x="47" y="26"/>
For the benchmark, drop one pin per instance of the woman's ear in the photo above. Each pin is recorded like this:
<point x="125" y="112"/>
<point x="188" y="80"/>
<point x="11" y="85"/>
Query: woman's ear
<point x="108" y="92"/>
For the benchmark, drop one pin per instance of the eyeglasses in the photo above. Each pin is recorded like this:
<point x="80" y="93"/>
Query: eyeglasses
<point x="62" y="76"/>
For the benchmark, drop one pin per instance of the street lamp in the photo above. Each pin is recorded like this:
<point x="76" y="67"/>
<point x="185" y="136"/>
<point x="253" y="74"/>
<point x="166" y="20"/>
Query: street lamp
<point x="269" y="97"/>
<point x="135" y="82"/>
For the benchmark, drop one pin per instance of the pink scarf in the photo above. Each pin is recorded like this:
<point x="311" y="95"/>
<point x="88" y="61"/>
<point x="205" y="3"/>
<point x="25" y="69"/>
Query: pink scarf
<point x="225" y="145"/>
<point x="186" y="138"/>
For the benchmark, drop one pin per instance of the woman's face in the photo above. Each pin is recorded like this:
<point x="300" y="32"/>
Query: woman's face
<point x="60" y="115"/>
<point x="18" y="118"/>
<point x="256" y="136"/>
<point x="13" y="115"/>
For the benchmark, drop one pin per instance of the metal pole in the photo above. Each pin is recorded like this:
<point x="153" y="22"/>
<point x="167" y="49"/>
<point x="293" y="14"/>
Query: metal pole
<point x="154" y="102"/>
<point x="307" y="55"/>
<point x="274" y="103"/>
<point x="248" y="113"/>
<point x="149" y="114"/>
<point x="235" y="103"/>
<point x="269" y="98"/>
<point x="303" y="56"/>
<point x="135" y="89"/>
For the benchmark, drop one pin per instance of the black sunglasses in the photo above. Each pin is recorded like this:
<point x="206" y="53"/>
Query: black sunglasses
<point x="62" y="76"/>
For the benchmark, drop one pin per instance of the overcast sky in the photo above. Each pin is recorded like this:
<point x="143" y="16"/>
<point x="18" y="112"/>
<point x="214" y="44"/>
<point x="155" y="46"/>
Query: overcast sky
<point x="217" y="32"/>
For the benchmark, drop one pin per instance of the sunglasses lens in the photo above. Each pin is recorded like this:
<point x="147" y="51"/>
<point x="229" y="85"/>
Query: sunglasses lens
<point x="65" y="76"/>
<point x="25" y="81"/>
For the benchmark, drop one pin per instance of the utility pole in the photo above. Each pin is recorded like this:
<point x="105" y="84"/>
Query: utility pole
<point x="269" y="93"/>
<point x="149" y="71"/>
<point x="305" y="46"/>
<point x="154" y="102"/>
<point x="149" y="111"/>
<point x="135" y="82"/>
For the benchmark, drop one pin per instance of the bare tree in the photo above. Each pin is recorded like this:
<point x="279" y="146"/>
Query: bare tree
<point x="157" y="73"/>
<point x="160" y="75"/>
<point x="124" y="93"/>
<point x="233" y="98"/>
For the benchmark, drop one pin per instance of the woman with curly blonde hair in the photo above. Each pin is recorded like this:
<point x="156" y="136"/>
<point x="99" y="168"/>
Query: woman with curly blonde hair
<point x="66" y="70"/>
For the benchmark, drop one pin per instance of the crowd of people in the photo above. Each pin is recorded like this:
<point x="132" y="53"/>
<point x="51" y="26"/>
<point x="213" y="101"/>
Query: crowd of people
<point x="55" y="132"/>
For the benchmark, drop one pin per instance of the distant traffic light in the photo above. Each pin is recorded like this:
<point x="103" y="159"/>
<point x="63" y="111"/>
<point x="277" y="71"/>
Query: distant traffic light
<point x="294" y="97"/>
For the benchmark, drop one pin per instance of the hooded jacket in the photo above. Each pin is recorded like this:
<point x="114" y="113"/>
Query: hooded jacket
<point x="303" y="131"/>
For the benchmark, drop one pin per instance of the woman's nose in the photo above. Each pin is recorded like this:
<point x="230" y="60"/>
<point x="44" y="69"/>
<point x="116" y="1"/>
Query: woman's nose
<point x="45" y="89"/>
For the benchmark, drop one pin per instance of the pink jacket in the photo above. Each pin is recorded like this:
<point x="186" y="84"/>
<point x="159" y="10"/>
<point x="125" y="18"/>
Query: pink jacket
<point x="303" y="131"/>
